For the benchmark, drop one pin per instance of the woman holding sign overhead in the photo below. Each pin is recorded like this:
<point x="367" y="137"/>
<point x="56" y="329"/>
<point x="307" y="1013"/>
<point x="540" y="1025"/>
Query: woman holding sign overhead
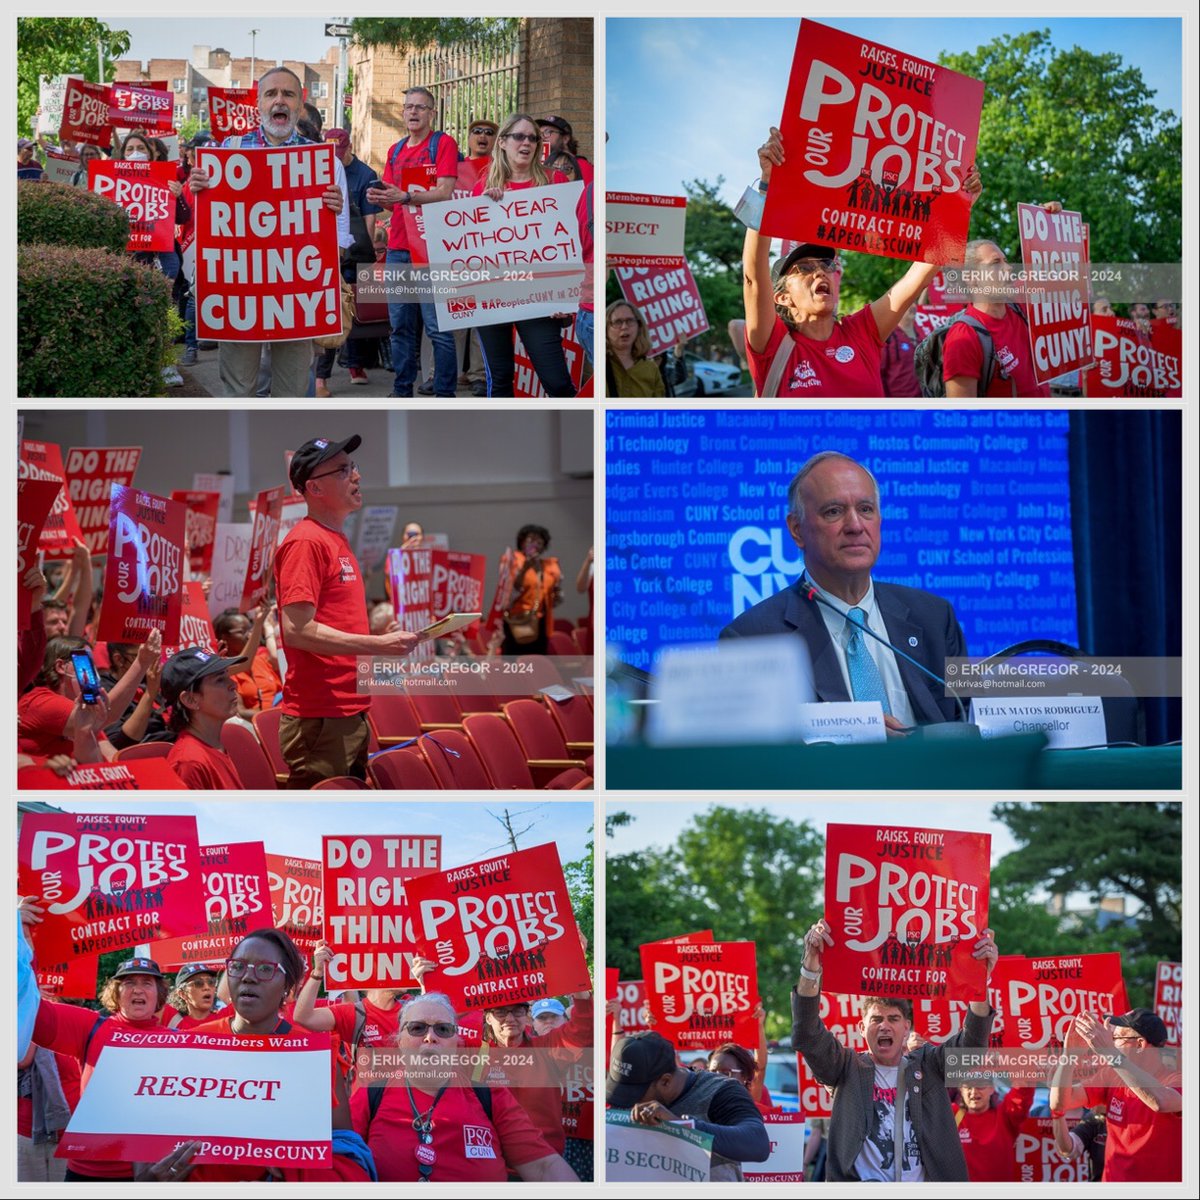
<point x="797" y="343"/>
<point x="516" y="164"/>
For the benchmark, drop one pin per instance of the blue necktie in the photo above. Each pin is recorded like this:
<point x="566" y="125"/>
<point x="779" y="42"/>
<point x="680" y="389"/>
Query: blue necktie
<point x="865" y="681"/>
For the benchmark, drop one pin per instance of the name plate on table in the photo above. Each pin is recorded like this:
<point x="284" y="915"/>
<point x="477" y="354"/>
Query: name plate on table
<point x="1070" y="722"/>
<point x="843" y="721"/>
<point x="739" y="691"/>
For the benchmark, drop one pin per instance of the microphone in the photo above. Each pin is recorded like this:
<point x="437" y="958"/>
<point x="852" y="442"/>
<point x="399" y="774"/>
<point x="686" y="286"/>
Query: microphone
<point x="809" y="592"/>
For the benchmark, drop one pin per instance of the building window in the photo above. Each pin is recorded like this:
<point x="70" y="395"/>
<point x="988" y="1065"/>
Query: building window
<point x="180" y="113"/>
<point x="178" y="85"/>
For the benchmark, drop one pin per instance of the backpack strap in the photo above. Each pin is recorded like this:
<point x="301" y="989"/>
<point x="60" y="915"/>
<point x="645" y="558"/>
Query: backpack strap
<point x="91" y="1034"/>
<point x="587" y="199"/>
<point x="779" y="364"/>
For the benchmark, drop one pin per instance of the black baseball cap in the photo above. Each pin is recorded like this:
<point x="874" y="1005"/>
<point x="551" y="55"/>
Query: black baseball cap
<point x="805" y="250"/>
<point x="190" y="971"/>
<point x="313" y="453"/>
<point x="559" y="123"/>
<point x="1144" y="1023"/>
<point x="138" y="966"/>
<point x="185" y="669"/>
<point x="637" y="1061"/>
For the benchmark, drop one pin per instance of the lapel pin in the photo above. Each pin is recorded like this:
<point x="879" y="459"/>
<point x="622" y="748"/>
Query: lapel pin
<point x="912" y="641"/>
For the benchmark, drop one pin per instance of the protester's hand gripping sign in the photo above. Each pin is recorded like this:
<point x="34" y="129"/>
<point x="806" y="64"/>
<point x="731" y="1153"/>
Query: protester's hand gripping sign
<point x="877" y="145"/>
<point x="501" y="931"/>
<point x="268" y="511"/>
<point x="1041" y="997"/>
<point x="906" y="907"/>
<point x="91" y="472"/>
<point x="43" y="460"/>
<point x="702" y="995"/>
<point x="296" y="898"/>
<point x="35" y="499"/>
<point x="267" y="261"/>
<point x="668" y="299"/>
<point x="85" y="116"/>
<point x="232" y="112"/>
<point x="369" y="922"/>
<point x="143" y="577"/>
<point x="252" y="1101"/>
<point x="510" y="259"/>
<point x="109" y="881"/>
<point x="1168" y="999"/>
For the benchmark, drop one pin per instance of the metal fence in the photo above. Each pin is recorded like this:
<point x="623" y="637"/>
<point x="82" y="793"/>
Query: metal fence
<point x="469" y="81"/>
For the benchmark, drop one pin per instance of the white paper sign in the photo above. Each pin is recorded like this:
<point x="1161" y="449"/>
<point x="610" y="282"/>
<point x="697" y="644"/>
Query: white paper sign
<point x="642" y="230"/>
<point x="210" y="481"/>
<point x="654" y="1154"/>
<point x="231" y="553"/>
<point x="375" y="534"/>
<point x="293" y="512"/>
<point x="52" y="94"/>
<point x="1070" y="722"/>
<point x="60" y="166"/>
<point x="786" y="1164"/>
<point x="739" y="691"/>
<point x="843" y="721"/>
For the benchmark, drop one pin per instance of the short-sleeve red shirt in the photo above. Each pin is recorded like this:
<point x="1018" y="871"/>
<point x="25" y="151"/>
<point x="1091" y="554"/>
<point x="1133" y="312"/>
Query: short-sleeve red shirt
<point x="962" y="355"/>
<point x="202" y="767"/>
<point x="42" y="715"/>
<point x="403" y="155"/>
<point x="845" y="365"/>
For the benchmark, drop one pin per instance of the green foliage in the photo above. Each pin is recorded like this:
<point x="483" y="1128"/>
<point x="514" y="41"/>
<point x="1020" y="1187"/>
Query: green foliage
<point x="190" y="126"/>
<point x="61" y="46"/>
<point x="580" y="878"/>
<point x="58" y="214"/>
<point x="403" y="34"/>
<point x="89" y="323"/>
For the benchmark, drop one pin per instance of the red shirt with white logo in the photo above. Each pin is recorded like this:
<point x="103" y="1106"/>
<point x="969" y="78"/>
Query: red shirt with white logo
<point x="1012" y="365"/>
<point x="845" y="365"/>
<point x="467" y="1147"/>
<point x="382" y="1026"/>
<point x="989" y="1138"/>
<point x="402" y="155"/>
<point x="202" y="767"/>
<point x="1142" y="1146"/>
<point x="315" y="565"/>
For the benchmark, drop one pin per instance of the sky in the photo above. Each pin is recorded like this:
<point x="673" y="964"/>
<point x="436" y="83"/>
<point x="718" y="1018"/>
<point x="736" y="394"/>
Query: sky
<point x="301" y="37"/>
<point x="694" y="98"/>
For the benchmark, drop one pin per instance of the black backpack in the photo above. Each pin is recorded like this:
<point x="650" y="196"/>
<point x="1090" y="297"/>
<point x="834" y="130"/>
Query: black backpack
<point x="928" y="364"/>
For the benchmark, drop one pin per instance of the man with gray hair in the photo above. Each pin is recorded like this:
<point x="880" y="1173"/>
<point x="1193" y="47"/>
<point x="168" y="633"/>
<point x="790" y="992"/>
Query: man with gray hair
<point x="834" y="517"/>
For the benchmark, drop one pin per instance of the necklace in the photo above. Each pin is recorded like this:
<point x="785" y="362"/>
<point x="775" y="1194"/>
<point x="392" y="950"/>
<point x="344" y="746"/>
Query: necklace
<point x="423" y="1124"/>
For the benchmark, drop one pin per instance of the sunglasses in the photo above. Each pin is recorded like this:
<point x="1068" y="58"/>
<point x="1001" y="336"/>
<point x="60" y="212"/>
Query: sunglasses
<point x="442" y="1029"/>
<point x="523" y="137"/>
<point x="479" y="130"/>
<point x="807" y="266"/>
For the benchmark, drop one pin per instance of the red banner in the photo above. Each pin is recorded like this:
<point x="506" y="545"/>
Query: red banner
<point x="136" y="775"/>
<point x="877" y="145"/>
<point x="149" y="106"/>
<point x="526" y="384"/>
<point x="296" y="905"/>
<point x="702" y="995"/>
<point x="669" y="302"/>
<point x="370" y="921"/>
<point x="457" y="582"/>
<point x="43" y="460"/>
<point x="90" y="472"/>
<point x="267" y="259"/>
<point x="72" y="980"/>
<point x="939" y="1019"/>
<point x="1168" y="999"/>
<point x="632" y="995"/>
<point x="579" y="1098"/>
<point x="1060" y="326"/>
<point x="232" y="112"/>
<point x="410" y="576"/>
<point x="842" y="1016"/>
<point x="202" y="508"/>
<point x="268" y="512"/>
<point x="143" y="577"/>
<point x="1133" y="364"/>
<point x="85" y="114"/>
<point x="906" y="906"/>
<point x="501" y="931"/>
<point x="1036" y="1158"/>
<point x="35" y="499"/>
<point x="237" y="901"/>
<point x="929" y="318"/>
<point x="108" y="881"/>
<point x="195" y="625"/>
<point x="1041" y="997"/>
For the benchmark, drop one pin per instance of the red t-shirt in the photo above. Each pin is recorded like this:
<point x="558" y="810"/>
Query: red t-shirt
<point x="382" y="1026"/>
<point x="258" y="687"/>
<point x="1142" y="1146"/>
<point x="42" y="715"/>
<point x="513" y="186"/>
<point x="989" y="1138"/>
<point x="314" y="565"/>
<point x="962" y="355"/>
<point x="468" y="1148"/>
<point x="845" y="365"/>
<point x="403" y="155"/>
<point x="202" y="767"/>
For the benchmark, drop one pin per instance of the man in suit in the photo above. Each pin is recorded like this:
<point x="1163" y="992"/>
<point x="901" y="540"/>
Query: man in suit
<point x="892" y="1120"/>
<point x="834" y="517"/>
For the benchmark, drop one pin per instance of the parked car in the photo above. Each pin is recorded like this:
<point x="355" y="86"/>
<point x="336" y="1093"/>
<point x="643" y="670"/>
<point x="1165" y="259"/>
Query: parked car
<point x="712" y="378"/>
<point x="782" y="1081"/>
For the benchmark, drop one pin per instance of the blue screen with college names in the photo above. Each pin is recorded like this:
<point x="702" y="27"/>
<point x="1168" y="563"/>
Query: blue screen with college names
<point x="976" y="508"/>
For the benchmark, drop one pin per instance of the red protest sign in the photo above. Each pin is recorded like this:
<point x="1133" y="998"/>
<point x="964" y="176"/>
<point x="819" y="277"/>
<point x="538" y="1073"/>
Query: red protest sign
<point x="43" y="460"/>
<point x="668" y="299"/>
<point x="906" y="906"/>
<point x="136" y="775"/>
<point x="72" y="980"/>
<point x="35" y="499"/>
<point x="232" y="112"/>
<point x="526" y="384"/>
<point x="501" y="931"/>
<point x="579" y="1098"/>
<point x="1168" y="999"/>
<point x="421" y="178"/>
<point x="702" y="995"/>
<point x="410" y="576"/>
<point x="143" y="577"/>
<point x="366" y="883"/>
<point x="91" y="470"/>
<point x="202" y="508"/>
<point x="149" y="106"/>
<point x="268" y="512"/>
<point x="267" y="259"/>
<point x="1041" y="997"/>
<point x="1036" y="1158"/>
<point x="237" y="901"/>
<point x="842" y="1016"/>
<point x="1053" y="248"/>
<point x="632" y="995"/>
<point x="457" y="580"/>
<point x="877" y="144"/>
<point x="195" y="624"/>
<point x="1166" y="341"/>
<point x="296" y="904"/>
<point x="109" y="881"/>
<point x="929" y="318"/>
<point x="85" y="114"/>
<point x="938" y="1018"/>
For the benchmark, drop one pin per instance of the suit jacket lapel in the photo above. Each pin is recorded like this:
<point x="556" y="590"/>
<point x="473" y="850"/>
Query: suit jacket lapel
<point x="803" y="615"/>
<point x="900" y="631"/>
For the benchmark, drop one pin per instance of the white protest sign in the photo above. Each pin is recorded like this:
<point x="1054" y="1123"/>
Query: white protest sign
<point x="786" y="1164"/>
<point x="744" y="690"/>
<point x="654" y="1154"/>
<point x="231" y="553"/>
<point x="293" y="512"/>
<point x="60" y="166"/>
<point x="211" y="481"/>
<point x="1069" y="722"/>
<point x="843" y="721"/>
<point x="375" y="534"/>
<point x="642" y="230"/>
<point x="52" y="94"/>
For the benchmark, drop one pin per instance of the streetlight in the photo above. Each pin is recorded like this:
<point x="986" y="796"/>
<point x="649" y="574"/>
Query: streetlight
<point x="253" y="36"/>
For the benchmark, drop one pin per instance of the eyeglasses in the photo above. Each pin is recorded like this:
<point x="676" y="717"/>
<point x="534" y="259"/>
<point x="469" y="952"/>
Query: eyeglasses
<point x="479" y="130"/>
<point x="732" y="1072"/>
<point x="237" y="967"/>
<point x="345" y="471"/>
<point x="417" y="107"/>
<point x="623" y="321"/>
<point x="523" y="137"/>
<point x="420" y="1029"/>
<point x="806" y="266"/>
<point x="517" y="1010"/>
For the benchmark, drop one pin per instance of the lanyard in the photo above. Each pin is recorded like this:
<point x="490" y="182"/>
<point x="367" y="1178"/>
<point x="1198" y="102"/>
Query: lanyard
<point x="423" y="1123"/>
